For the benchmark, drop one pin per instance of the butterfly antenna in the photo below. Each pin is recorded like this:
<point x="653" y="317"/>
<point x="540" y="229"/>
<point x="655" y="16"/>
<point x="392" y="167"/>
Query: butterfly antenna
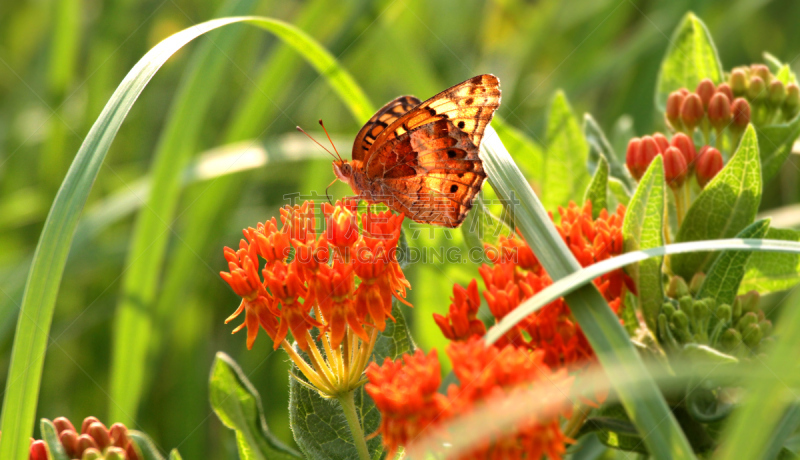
<point x="315" y="141"/>
<point x="329" y="139"/>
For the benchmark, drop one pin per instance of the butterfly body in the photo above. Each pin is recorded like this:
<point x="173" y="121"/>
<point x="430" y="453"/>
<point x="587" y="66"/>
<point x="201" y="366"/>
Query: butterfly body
<point x="421" y="158"/>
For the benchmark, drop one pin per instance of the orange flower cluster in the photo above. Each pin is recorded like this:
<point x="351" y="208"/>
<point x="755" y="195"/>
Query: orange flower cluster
<point x="406" y="395"/>
<point x="516" y="275"/>
<point x="305" y="270"/>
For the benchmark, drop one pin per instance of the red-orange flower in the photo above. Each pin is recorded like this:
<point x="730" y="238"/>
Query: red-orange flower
<point x="336" y="285"/>
<point x="245" y="282"/>
<point x="287" y="288"/>
<point x="516" y="275"/>
<point x="341" y="225"/>
<point x="406" y="394"/>
<point x="461" y="322"/>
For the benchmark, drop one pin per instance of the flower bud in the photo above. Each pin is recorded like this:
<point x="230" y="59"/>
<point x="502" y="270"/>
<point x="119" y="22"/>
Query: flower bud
<point x="751" y="335"/>
<point x="740" y="112"/>
<point x="92" y="454"/>
<point x="761" y="71"/>
<point x="677" y="286"/>
<point x="632" y="158"/>
<point x="738" y="82"/>
<point x="692" y="111"/>
<point x="685" y="303"/>
<point x="661" y="141"/>
<point x="719" y="111"/>
<point x="673" y="112"/>
<point x="69" y="439"/>
<point x="132" y="452"/>
<point x="696" y="282"/>
<point x="791" y="105"/>
<point x="675" y="168"/>
<point x="757" y="91"/>
<point x="63" y="424"/>
<point x="99" y="433"/>
<point x="686" y="145"/>
<point x="725" y="89"/>
<point x="85" y="441"/>
<point x="730" y="339"/>
<point x="115" y="453"/>
<point x="38" y="451"/>
<point x="679" y="323"/>
<point x="746" y="320"/>
<point x="766" y="327"/>
<point x="709" y="163"/>
<point x="777" y="93"/>
<point x="705" y="89"/>
<point x="751" y="301"/>
<point x="87" y="422"/>
<point x="119" y="435"/>
<point x="668" y="309"/>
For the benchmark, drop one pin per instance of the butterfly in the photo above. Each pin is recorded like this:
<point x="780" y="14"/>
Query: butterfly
<point x="421" y="158"/>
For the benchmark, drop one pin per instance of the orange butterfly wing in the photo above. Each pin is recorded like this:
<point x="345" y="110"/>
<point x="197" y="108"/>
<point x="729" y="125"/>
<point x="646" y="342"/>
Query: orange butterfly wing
<point x="426" y="163"/>
<point x="382" y="119"/>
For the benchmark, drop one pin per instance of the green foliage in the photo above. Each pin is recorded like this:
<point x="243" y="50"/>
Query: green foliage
<point x="597" y="191"/>
<point x="564" y="174"/>
<point x="691" y="57"/>
<point x="770" y="271"/>
<point x="600" y="147"/>
<point x="319" y="425"/>
<point x="726" y="273"/>
<point x="642" y="229"/>
<point x="775" y="144"/>
<point x="727" y="205"/>
<point x="238" y="405"/>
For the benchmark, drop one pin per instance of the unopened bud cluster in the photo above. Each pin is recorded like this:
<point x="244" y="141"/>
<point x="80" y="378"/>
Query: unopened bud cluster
<point x="740" y="329"/>
<point x="93" y="442"/>
<point x="680" y="156"/>
<point x="709" y="106"/>
<point x="772" y="101"/>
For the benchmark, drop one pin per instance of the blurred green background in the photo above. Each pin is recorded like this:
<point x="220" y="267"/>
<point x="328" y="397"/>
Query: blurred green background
<point x="60" y="61"/>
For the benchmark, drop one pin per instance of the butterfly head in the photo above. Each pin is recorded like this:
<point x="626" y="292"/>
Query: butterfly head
<point x="343" y="171"/>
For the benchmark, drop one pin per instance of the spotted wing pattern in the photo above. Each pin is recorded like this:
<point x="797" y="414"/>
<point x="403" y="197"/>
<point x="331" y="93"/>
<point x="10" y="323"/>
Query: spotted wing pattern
<point x="387" y="115"/>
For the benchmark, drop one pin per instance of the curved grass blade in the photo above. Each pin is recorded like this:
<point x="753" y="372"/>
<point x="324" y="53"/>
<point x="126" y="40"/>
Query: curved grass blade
<point x="135" y="314"/>
<point x="27" y="357"/>
<point x="573" y="281"/>
<point x="646" y="407"/>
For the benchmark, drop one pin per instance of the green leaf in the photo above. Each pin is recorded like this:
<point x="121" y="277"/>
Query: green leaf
<point x="723" y="278"/>
<point x="238" y="405"/>
<point x="614" y="429"/>
<point x="775" y="144"/>
<point x="643" y="229"/>
<point x="47" y="268"/>
<point x="781" y="70"/>
<point x="175" y="455"/>
<point x="771" y="272"/>
<point x="565" y="176"/>
<point x="646" y="405"/>
<point x="133" y="321"/>
<point x="319" y="425"/>
<point x="597" y="191"/>
<point x="50" y="437"/>
<point x="600" y="147"/>
<point x="134" y="318"/>
<point x="727" y="205"/>
<point x="691" y="57"/>
<point x="529" y="155"/>
<point x="145" y="445"/>
<point x="619" y="193"/>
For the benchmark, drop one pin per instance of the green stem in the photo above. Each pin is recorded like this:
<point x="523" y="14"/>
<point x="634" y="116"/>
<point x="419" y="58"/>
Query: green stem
<point x="349" y="408"/>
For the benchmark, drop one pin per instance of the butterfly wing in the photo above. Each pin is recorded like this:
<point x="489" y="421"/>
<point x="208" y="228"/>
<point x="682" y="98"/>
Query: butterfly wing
<point x="469" y="105"/>
<point x="382" y="119"/>
<point x="426" y="163"/>
<point x="431" y="174"/>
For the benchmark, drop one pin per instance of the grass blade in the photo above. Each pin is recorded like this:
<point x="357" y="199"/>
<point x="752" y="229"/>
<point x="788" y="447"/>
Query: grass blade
<point x="41" y="289"/>
<point x="646" y="407"/>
